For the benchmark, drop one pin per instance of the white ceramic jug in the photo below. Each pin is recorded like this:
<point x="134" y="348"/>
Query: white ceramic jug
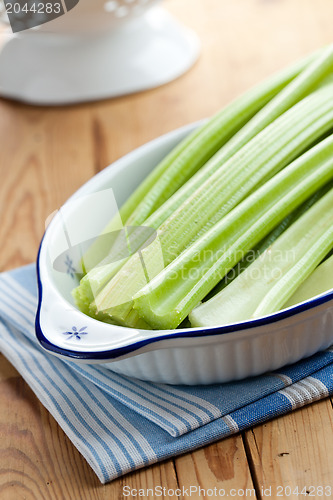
<point x="96" y="50"/>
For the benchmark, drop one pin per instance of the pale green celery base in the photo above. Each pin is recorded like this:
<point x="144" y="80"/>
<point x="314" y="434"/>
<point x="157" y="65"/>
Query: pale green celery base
<point x="241" y="298"/>
<point x="319" y="282"/>
<point x="166" y="300"/>
<point x="103" y="317"/>
<point x="94" y="281"/>
<point x="123" y="315"/>
<point x="119" y="306"/>
<point x="132" y="319"/>
<point x="82" y="300"/>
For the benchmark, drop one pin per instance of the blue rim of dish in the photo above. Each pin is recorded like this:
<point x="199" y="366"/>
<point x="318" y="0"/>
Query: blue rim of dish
<point x="131" y="348"/>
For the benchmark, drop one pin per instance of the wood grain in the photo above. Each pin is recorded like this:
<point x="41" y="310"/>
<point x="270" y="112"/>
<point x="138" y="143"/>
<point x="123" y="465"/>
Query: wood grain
<point x="47" y="153"/>
<point x="294" y="451"/>
<point x="156" y="481"/>
<point x="37" y="461"/>
<point x="219" y="467"/>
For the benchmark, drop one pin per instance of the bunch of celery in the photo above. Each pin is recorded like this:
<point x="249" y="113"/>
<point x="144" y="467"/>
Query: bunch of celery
<point x="216" y="196"/>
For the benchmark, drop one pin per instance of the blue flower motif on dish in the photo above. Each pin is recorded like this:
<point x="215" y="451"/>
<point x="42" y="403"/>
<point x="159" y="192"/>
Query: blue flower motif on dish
<point x="70" y="269"/>
<point x="75" y="333"/>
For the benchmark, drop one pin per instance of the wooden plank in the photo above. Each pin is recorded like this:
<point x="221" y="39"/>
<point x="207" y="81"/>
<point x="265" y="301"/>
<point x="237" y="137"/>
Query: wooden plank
<point x="294" y="453"/>
<point x="37" y="459"/>
<point x="45" y="155"/>
<point x="218" y="470"/>
<point x="7" y="371"/>
<point x="244" y="41"/>
<point x="157" y="481"/>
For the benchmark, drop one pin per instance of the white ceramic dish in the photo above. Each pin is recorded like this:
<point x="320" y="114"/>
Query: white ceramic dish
<point x="182" y="356"/>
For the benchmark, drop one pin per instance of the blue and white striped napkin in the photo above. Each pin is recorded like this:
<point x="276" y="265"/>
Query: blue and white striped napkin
<point x="121" y="424"/>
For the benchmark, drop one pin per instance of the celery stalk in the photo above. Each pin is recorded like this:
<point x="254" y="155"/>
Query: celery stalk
<point x="169" y="297"/>
<point x="312" y="76"/>
<point x="196" y="149"/>
<point x="193" y="152"/>
<point x="306" y="82"/>
<point x="319" y="282"/>
<point x="317" y="69"/>
<point x="265" y="243"/>
<point x="298" y="251"/>
<point x="224" y="126"/>
<point x="282" y="290"/>
<point x="266" y="153"/>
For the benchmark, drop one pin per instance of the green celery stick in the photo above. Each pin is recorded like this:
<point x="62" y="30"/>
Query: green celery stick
<point x="196" y="149"/>
<point x="314" y="75"/>
<point x="139" y="322"/>
<point x="268" y="152"/>
<point x="92" y="283"/>
<point x="319" y="282"/>
<point x="169" y="297"/>
<point x="282" y="290"/>
<point x="266" y="242"/>
<point x="221" y="130"/>
<point x="202" y="144"/>
<point x="240" y="300"/>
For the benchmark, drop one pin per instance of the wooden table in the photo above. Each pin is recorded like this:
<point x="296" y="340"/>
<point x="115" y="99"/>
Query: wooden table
<point x="47" y="153"/>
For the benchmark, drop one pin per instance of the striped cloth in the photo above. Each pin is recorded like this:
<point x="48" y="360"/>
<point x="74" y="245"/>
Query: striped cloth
<point x="121" y="424"/>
